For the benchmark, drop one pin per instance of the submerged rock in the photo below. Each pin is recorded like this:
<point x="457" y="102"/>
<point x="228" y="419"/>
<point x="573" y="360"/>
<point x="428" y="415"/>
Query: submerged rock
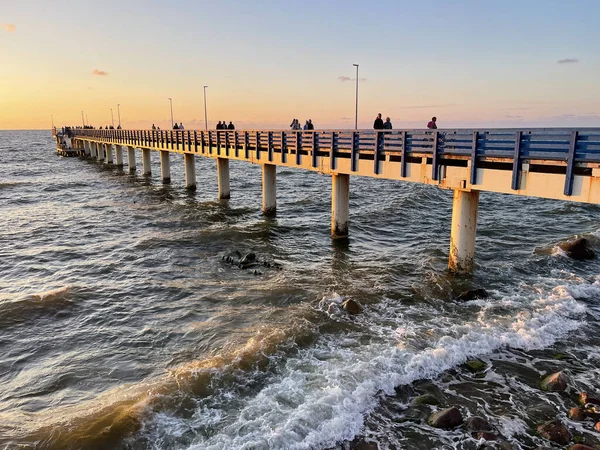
<point x="580" y="447"/>
<point x="361" y="444"/>
<point x="477" y="423"/>
<point x="425" y="399"/>
<point x="447" y="418"/>
<point x="472" y="294"/>
<point x="248" y="259"/>
<point x="351" y="306"/>
<point x="576" y="413"/>
<point x="585" y="398"/>
<point x="475" y="365"/>
<point x="554" y="431"/>
<point x="488" y="436"/>
<point x="557" y="382"/>
<point x="578" y="249"/>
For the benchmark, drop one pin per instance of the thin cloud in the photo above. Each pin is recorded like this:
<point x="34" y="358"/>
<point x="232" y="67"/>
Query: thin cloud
<point x="568" y="61"/>
<point x="513" y="116"/>
<point x="428" y="106"/>
<point x="99" y="72"/>
<point x="9" y="27"/>
<point x="342" y="79"/>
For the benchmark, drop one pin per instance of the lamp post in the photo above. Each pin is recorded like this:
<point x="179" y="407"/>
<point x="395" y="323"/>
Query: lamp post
<point x="82" y="121"/>
<point x="87" y="121"/>
<point x="52" y="119"/>
<point x="171" y="101"/>
<point x="356" y="113"/>
<point x="112" y="118"/>
<point x="119" y="113"/>
<point x="205" y="115"/>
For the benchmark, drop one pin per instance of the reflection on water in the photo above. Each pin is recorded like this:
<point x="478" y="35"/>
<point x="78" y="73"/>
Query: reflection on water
<point x="122" y="326"/>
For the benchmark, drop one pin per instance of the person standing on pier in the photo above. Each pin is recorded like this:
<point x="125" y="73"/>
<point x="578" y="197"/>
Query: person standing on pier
<point x="378" y="124"/>
<point x="181" y="126"/>
<point x="153" y="127"/>
<point x="387" y="124"/>
<point x="176" y="127"/>
<point x="432" y="125"/>
<point x="219" y="126"/>
<point x="310" y="125"/>
<point x="231" y="126"/>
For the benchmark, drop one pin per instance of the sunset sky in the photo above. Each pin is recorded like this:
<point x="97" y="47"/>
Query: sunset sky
<point x="471" y="63"/>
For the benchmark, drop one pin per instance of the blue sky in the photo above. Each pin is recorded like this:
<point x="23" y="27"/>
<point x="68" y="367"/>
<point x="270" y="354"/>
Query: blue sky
<point x="471" y="63"/>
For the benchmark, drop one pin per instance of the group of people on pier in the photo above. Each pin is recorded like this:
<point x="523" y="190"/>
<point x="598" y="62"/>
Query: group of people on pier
<point x="223" y="125"/>
<point x="178" y="127"/>
<point x="295" y="125"/>
<point x="379" y="124"/>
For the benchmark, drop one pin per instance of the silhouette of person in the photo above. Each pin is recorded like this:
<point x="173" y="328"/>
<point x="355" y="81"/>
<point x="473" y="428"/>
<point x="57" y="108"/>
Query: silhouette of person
<point x="432" y="124"/>
<point x="378" y="124"/>
<point x="231" y="126"/>
<point x="310" y="125"/>
<point x="387" y="124"/>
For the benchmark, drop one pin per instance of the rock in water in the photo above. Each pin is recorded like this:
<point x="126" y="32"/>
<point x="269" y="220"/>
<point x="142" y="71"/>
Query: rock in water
<point x="580" y="447"/>
<point x="425" y="399"/>
<point x="585" y="398"/>
<point x="447" y="418"/>
<point x="472" y="294"/>
<point x="557" y="382"/>
<point x="554" y="431"/>
<point x="577" y="414"/>
<point x="477" y="423"/>
<point x="475" y="365"/>
<point x="351" y="306"/>
<point x="578" y="249"/>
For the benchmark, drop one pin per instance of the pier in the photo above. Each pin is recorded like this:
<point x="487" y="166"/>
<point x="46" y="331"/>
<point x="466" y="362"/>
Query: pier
<point x="553" y="163"/>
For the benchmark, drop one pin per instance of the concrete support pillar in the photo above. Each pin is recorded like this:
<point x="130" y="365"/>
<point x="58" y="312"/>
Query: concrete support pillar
<point x="340" y="205"/>
<point x="146" y="169"/>
<point x="109" y="154"/>
<point x="93" y="153"/>
<point x="223" y="177"/>
<point x="165" y="167"/>
<point x="463" y="231"/>
<point x="119" y="155"/>
<point x="269" y="189"/>
<point x="131" y="158"/>
<point x="189" y="161"/>
<point x="100" y="148"/>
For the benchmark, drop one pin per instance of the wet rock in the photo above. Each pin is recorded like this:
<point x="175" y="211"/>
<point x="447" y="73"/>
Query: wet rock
<point x="249" y="258"/>
<point x="585" y="398"/>
<point x="425" y="399"/>
<point x="485" y="435"/>
<point x="351" y="306"/>
<point x="472" y="294"/>
<point x="580" y="447"/>
<point x="557" y="382"/>
<point x="447" y="418"/>
<point x="577" y="413"/>
<point x="475" y="365"/>
<point x="578" y="249"/>
<point x="505" y="445"/>
<point x="361" y="444"/>
<point x="554" y="431"/>
<point x="477" y="423"/>
<point x="592" y="411"/>
<point x="597" y="426"/>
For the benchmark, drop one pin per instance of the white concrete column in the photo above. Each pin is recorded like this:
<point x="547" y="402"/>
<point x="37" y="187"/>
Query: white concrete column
<point x="119" y="155"/>
<point x="146" y="166"/>
<point x="463" y="231"/>
<point x="189" y="161"/>
<point x="109" y="154"/>
<point x="93" y="153"/>
<point x="223" y="177"/>
<point x="269" y="189"/>
<point x="100" y="148"/>
<point x="340" y="205"/>
<point x="131" y="158"/>
<point x="165" y="167"/>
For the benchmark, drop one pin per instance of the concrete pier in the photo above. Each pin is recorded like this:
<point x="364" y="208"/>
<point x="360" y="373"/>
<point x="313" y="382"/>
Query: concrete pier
<point x="269" y="189"/>
<point x="340" y="205"/>
<point x="131" y="158"/>
<point x="109" y="154"/>
<point x="223" y="178"/>
<point x="100" y="155"/>
<point x="165" y="167"/>
<point x="93" y="153"/>
<point x="119" y="155"/>
<point x="463" y="231"/>
<point x="190" y="171"/>
<point x="146" y="166"/>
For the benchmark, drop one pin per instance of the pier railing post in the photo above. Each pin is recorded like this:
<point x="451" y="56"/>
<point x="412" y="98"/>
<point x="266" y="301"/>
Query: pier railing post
<point x="269" y="189"/>
<point x="119" y="155"/>
<point x="189" y="161"/>
<point x="146" y="166"/>
<point x="109" y="154"/>
<point x="223" y="178"/>
<point x="340" y="205"/>
<point x="463" y="230"/>
<point x="131" y="158"/>
<point x="100" y="154"/>
<point x="165" y="167"/>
